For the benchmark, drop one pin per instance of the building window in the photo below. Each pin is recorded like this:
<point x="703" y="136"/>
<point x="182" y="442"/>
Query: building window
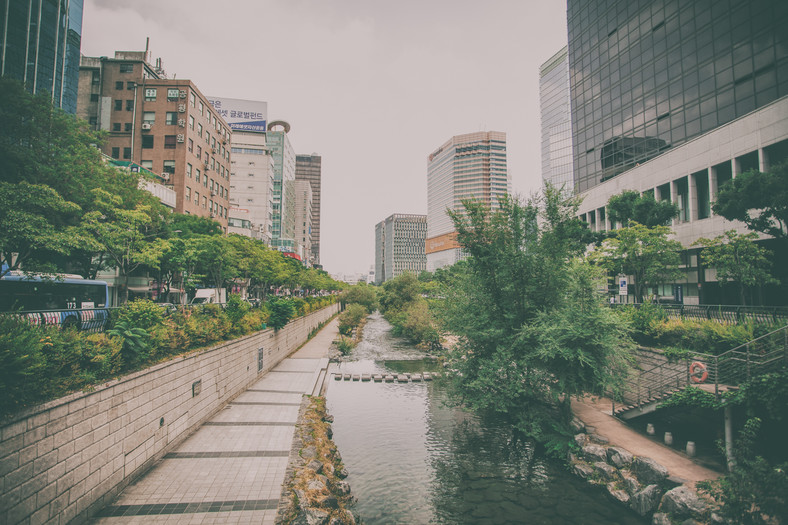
<point x="130" y="105"/>
<point x="191" y="122"/>
<point x="126" y="68"/>
<point x="169" y="166"/>
<point x="172" y="93"/>
<point x="191" y="145"/>
<point x="172" y="118"/>
<point x="169" y="142"/>
<point x="147" y="164"/>
<point x="96" y="78"/>
<point x="94" y="97"/>
<point x="199" y="130"/>
<point x="147" y="142"/>
<point x="197" y="175"/>
<point x="119" y="84"/>
<point x="204" y="202"/>
<point x="130" y="85"/>
<point x="126" y="153"/>
<point x="197" y="198"/>
<point x="188" y="193"/>
<point x="127" y="127"/>
<point x="115" y="153"/>
<point x="188" y="170"/>
<point x="150" y="94"/>
<point x="93" y="121"/>
<point x="191" y="99"/>
<point x="199" y="152"/>
<point x="202" y="107"/>
<point x="149" y="117"/>
<point x="116" y="126"/>
<point x="118" y="105"/>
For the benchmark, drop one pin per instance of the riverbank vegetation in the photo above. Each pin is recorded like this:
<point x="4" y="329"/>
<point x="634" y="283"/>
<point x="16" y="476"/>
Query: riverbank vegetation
<point x="404" y="304"/>
<point x="40" y="363"/>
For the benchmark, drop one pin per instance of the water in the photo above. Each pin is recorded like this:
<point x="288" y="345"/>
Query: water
<point x="414" y="460"/>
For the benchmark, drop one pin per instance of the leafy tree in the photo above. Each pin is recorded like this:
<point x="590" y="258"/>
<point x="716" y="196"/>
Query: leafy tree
<point x="738" y="258"/>
<point x="282" y="311"/>
<point x="533" y="330"/>
<point x="399" y="292"/>
<point x="191" y="225"/>
<point x="642" y="252"/>
<point x="630" y="206"/>
<point x="758" y="199"/>
<point x="363" y="295"/>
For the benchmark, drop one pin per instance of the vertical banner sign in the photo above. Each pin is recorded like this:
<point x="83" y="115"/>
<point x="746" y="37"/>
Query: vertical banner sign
<point x="622" y="286"/>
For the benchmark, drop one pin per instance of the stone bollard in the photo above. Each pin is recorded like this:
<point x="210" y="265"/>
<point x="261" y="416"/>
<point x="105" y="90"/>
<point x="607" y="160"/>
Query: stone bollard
<point x="668" y="438"/>
<point x="650" y="429"/>
<point x="691" y="449"/>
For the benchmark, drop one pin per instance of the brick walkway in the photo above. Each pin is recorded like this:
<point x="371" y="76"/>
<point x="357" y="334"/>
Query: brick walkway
<point x="232" y="468"/>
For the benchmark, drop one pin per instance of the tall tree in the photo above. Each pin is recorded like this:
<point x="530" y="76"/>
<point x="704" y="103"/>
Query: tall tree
<point x="758" y="199"/>
<point x="738" y="258"/>
<point x="644" y="253"/>
<point x="630" y="206"/>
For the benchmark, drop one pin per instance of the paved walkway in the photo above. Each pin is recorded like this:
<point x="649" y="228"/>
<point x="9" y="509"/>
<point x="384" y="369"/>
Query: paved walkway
<point x="596" y="412"/>
<point x="232" y="468"/>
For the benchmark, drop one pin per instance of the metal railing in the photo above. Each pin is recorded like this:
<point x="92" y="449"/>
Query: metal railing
<point x="771" y="315"/>
<point x="728" y="369"/>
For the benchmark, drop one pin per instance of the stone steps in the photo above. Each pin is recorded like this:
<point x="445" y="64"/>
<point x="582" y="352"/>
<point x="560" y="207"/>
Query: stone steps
<point x="388" y="378"/>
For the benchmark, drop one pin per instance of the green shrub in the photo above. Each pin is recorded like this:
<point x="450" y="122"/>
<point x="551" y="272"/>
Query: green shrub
<point x="21" y="361"/>
<point x="345" y="345"/>
<point x="236" y="309"/>
<point x="141" y="313"/>
<point x="282" y="311"/>
<point x="351" y="318"/>
<point x="418" y="325"/>
<point x="134" y="342"/>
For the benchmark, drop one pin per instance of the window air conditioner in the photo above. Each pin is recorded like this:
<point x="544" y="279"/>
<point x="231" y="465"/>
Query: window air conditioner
<point x="145" y="126"/>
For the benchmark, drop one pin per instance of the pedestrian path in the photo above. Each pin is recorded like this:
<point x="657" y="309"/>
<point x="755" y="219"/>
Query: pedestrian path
<point x="232" y="468"/>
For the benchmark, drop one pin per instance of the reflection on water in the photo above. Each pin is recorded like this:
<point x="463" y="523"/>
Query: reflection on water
<point x="413" y="460"/>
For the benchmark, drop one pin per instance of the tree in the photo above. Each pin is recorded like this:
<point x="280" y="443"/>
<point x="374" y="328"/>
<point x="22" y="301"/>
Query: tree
<point x="644" y="253"/>
<point x="738" y="258"/>
<point x="533" y="330"/>
<point x="758" y="199"/>
<point x="362" y="294"/>
<point x="630" y="206"/>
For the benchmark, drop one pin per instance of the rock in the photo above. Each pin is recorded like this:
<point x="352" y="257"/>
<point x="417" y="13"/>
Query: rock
<point x="570" y="457"/>
<point x="311" y="516"/>
<point x="690" y="521"/>
<point x="596" y="438"/>
<point x="316" y="466"/>
<point x="581" y="440"/>
<point x="366" y="377"/>
<point x="577" y="425"/>
<point x="606" y="472"/>
<point x="342" y="473"/>
<point x="330" y="433"/>
<point x="618" y="494"/>
<point x="327" y="502"/>
<point x="302" y="499"/>
<point x="594" y="453"/>
<point x="583" y="470"/>
<point x="645" y="501"/>
<point x="316" y="484"/>
<point x="682" y="502"/>
<point x="631" y="484"/>
<point x="619" y="457"/>
<point x="660" y="518"/>
<point x="342" y="488"/>
<point x="402" y="378"/>
<point x="329" y="418"/>
<point x="328" y="469"/>
<point x="716" y="519"/>
<point x="344" y="517"/>
<point x="648" y="471"/>
<point x="309" y="452"/>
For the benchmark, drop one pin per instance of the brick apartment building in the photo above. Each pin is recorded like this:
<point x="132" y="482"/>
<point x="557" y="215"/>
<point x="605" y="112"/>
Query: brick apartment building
<point x="164" y="125"/>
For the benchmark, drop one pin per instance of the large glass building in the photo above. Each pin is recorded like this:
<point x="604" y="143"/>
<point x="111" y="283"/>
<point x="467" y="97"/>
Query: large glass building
<point x="309" y="168"/>
<point x="40" y="44"/>
<point x="647" y="76"/>
<point x="283" y="201"/>
<point x="399" y="246"/>
<point x="556" y="122"/>
<point x="471" y="166"/>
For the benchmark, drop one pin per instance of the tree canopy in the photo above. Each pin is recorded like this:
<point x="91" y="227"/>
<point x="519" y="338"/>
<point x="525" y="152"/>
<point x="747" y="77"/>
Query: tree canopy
<point x="632" y="206"/>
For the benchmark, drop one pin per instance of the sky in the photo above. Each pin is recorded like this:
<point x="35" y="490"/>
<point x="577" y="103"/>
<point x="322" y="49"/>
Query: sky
<point x="373" y="86"/>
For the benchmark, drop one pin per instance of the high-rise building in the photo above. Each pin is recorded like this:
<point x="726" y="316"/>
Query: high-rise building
<point x="283" y="202"/>
<point x="308" y="167"/>
<point x="252" y="167"/>
<point x="674" y="99"/>
<point x="471" y="166"/>
<point x="40" y="43"/>
<point x="303" y="220"/>
<point x="165" y="125"/>
<point x="556" y="122"/>
<point x="399" y="246"/>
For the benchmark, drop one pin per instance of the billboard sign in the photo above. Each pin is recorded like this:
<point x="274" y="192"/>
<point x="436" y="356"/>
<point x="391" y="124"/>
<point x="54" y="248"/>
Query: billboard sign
<point x="622" y="286"/>
<point x="241" y="115"/>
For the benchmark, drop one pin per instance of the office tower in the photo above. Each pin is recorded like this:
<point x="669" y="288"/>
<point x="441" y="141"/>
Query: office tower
<point x="303" y="220"/>
<point x="674" y="99"/>
<point x="471" y="166"/>
<point x="308" y="167"/>
<point x="40" y="42"/>
<point x="252" y="167"/>
<point x="165" y="125"/>
<point x="556" y="122"/>
<point x="283" y="202"/>
<point x="399" y="246"/>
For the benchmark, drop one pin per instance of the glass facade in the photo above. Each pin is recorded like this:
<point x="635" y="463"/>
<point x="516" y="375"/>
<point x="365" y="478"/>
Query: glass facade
<point x="283" y="207"/>
<point x="556" y="122"/>
<point x="647" y="76"/>
<point x="399" y="246"/>
<point x="309" y="168"/>
<point x="40" y="45"/>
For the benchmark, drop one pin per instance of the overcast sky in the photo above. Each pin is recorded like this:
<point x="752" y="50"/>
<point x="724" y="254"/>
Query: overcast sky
<point x="373" y="86"/>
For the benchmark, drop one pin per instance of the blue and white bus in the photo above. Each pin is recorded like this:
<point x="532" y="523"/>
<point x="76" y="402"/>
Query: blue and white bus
<point x="62" y="299"/>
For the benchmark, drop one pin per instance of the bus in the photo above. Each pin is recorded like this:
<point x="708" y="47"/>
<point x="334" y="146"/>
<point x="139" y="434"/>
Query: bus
<point x="62" y="299"/>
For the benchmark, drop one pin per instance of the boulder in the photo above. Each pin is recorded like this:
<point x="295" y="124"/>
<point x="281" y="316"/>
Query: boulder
<point x="344" y="517"/>
<point x="606" y="472"/>
<point x="309" y="452"/>
<point x="342" y="488"/>
<point x="342" y="473"/>
<point x="631" y="484"/>
<point x="315" y="465"/>
<point x="583" y="470"/>
<point x="594" y="453"/>
<point x="316" y="484"/>
<point x="598" y="439"/>
<point x="660" y="518"/>
<point x="577" y="426"/>
<point x="311" y="516"/>
<point x="682" y="502"/>
<point x="618" y="494"/>
<point x="619" y="457"/>
<point x="648" y="471"/>
<point x="645" y="501"/>
<point x="581" y="440"/>
<point x="327" y="502"/>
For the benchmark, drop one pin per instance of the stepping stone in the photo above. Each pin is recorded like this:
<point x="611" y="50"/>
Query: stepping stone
<point x="377" y="378"/>
<point x="389" y="378"/>
<point x="347" y="377"/>
<point x="415" y="377"/>
<point x="356" y="377"/>
<point x="337" y="377"/>
<point x="402" y="378"/>
<point x="427" y="376"/>
<point x="366" y="377"/>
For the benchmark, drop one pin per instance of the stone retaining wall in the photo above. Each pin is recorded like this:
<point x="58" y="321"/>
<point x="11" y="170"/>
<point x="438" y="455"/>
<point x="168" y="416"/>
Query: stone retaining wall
<point x="63" y="461"/>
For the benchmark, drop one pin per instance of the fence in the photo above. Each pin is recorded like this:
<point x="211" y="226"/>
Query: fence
<point x="771" y="315"/>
